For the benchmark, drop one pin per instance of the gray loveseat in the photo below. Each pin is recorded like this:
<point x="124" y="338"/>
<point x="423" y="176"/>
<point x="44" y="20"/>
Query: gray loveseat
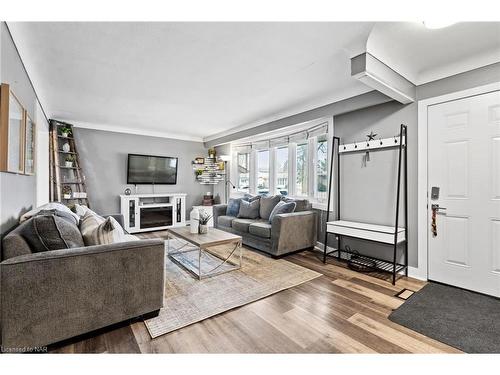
<point x="47" y="297"/>
<point x="286" y="233"/>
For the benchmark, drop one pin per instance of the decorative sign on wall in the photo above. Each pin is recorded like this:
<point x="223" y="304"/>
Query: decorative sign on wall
<point x="17" y="135"/>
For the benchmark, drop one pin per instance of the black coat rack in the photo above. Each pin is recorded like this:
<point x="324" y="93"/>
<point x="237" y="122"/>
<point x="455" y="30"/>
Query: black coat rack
<point x="388" y="235"/>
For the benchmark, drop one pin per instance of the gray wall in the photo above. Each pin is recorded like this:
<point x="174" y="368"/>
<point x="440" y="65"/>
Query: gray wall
<point x="343" y="106"/>
<point x="368" y="192"/>
<point x="17" y="192"/>
<point x="103" y="157"/>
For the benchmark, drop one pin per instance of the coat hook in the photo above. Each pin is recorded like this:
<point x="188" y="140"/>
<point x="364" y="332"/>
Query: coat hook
<point x="355" y="145"/>
<point x="381" y="143"/>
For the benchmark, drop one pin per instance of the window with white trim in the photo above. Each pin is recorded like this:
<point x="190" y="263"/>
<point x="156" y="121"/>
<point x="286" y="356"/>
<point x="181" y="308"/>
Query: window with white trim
<point x="301" y="167"/>
<point x="282" y="170"/>
<point x="263" y="172"/>
<point x="243" y="161"/>
<point x="321" y="170"/>
<point x="294" y="164"/>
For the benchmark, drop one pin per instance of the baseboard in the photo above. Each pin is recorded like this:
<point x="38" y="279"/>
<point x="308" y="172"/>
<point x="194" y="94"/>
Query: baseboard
<point x="413" y="272"/>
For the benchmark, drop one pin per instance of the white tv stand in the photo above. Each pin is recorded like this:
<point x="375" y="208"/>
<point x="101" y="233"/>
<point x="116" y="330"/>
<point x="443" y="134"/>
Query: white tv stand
<point x="149" y="212"/>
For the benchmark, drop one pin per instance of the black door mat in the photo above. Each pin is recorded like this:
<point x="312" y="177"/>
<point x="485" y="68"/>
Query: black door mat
<point x="465" y="320"/>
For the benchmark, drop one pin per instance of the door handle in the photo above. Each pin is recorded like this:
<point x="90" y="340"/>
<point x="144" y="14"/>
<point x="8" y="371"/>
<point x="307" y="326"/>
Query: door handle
<point x="437" y="208"/>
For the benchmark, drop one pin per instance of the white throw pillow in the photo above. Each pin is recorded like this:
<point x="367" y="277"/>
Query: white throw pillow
<point x="81" y="210"/>
<point x="49" y="206"/>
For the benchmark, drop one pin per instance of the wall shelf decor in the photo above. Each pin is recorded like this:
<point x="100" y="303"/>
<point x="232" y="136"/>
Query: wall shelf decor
<point x="17" y="135"/>
<point x="389" y="235"/>
<point x="66" y="176"/>
<point x="210" y="172"/>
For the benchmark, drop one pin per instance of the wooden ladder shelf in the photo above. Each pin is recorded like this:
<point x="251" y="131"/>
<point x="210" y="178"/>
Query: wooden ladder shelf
<point x="67" y="182"/>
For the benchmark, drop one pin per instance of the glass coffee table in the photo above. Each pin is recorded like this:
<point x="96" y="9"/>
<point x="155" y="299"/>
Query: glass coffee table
<point x="204" y="255"/>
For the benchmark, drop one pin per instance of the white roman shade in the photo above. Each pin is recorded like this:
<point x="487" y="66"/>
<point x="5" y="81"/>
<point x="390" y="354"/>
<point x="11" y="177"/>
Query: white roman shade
<point x="279" y="142"/>
<point x="261" y="145"/>
<point x="242" y="149"/>
<point x="298" y="137"/>
<point x="318" y="130"/>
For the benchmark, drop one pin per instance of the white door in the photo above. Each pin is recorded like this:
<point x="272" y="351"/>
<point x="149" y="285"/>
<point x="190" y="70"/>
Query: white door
<point x="464" y="162"/>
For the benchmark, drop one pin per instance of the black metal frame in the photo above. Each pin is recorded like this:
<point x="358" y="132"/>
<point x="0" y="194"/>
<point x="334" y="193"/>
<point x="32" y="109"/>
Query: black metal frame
<point x="380" y="264"/>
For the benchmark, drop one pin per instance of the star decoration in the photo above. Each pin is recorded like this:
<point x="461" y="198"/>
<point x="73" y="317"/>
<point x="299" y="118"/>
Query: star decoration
<point x="371" y="136"/>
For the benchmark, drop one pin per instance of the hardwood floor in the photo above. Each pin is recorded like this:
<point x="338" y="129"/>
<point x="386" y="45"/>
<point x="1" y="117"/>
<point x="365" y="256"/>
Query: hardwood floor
<point x="340" y="312"/>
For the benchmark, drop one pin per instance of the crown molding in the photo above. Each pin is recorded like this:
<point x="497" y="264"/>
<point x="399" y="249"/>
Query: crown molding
<point x="128" y="130"/>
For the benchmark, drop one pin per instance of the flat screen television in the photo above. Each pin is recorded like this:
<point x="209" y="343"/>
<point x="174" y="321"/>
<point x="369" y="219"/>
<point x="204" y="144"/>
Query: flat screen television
<point x="149" y="169"/>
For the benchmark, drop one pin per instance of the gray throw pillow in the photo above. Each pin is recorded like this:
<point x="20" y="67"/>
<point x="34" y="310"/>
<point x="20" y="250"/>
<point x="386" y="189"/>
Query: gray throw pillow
<point x="250" y="198"/>
<point x="282" y="208"/>
<point x="267" y="204"/>
<point x="62" y="214"/>
<point x="50" y="232"/>
<point x="302" y="204"/>
<point x="249" y="210"/>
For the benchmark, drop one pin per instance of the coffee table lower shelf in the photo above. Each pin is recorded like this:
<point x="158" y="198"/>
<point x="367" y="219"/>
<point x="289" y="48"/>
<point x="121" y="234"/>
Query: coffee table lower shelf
<point x="201" y="261"/>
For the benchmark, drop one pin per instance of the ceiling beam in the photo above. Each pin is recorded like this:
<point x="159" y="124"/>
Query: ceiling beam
<point x="375" y="74"/>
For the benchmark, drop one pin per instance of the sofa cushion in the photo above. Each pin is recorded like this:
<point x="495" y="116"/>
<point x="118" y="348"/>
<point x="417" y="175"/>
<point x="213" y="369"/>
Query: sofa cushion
<point x="261" y="229"/>
<point x="282" y="208"/>
<point x="267" y="204"/>
<point x="225" y="220"/>
<point x="249" y="210"/>
<point x="50" y="232"/>
<point x="49" y="206"/>
<point x="302" y="204"/>
<point x="241" y="225"/>
<point x="233" y="207"/>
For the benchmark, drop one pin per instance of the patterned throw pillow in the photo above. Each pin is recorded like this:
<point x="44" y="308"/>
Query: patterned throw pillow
<point x="249" y="210"/>
<point x="233" y="206"/>
<point x="282" y="208"/>
<point x="108" y="232"/>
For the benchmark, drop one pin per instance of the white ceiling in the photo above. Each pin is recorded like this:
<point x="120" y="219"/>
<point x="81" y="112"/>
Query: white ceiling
<point x="197" y="80"/>
<point x="423" y="55"/>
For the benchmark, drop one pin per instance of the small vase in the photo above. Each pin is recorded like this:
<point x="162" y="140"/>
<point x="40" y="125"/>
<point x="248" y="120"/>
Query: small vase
<point x="203" y="229"/>
<point x="69" y="164"/>
<point x="66" y="147"/>
<point x="65" y="135"/>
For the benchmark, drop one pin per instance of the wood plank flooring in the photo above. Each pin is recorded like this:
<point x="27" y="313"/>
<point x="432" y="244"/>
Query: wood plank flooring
<point x="341" y="312"/>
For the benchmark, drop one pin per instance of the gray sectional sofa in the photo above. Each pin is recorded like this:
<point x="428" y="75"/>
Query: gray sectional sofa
<point x="287" y="233"/>
<point x="50" y="296"/>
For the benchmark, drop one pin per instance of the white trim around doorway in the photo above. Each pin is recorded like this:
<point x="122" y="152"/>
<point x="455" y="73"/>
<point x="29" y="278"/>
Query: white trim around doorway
<point x="421" y="272"/>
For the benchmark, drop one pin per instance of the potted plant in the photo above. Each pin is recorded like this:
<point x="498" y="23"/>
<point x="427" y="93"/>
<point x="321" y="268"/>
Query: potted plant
<point x="68" y="161"/>
<point x="203" y="221"/>
<point x="198" y="172"/>
<point x="66" y="191"/>
<point x="65" y="131"/>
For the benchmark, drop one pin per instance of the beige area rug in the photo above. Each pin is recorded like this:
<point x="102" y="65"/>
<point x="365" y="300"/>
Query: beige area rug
<point x="188" y="300"/>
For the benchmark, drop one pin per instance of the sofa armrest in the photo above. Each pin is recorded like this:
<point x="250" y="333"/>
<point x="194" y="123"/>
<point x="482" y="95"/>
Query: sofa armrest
<point x="219" y="210"/>
<point x="51" y="296"/>
<point x="294" y="231"/>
